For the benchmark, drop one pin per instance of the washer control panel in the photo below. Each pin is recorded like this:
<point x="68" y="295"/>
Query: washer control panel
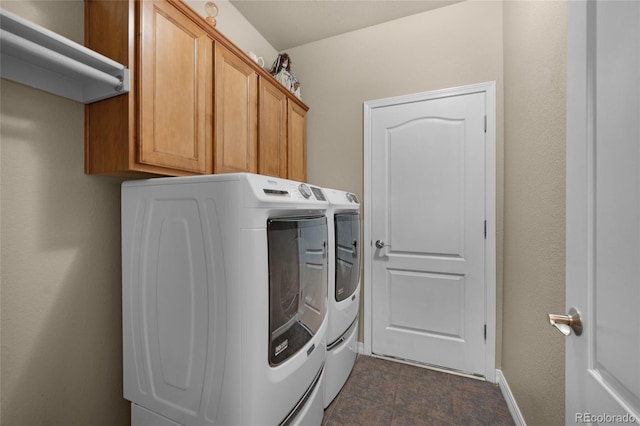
<point x="305" y="190"/>
<point x="273" y="188"/>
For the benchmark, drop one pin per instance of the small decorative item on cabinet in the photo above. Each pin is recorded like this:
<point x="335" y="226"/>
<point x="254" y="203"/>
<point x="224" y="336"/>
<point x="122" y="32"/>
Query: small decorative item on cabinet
<point x="258" y="59"/>
<point x="281" y="70"/>
<point x="212" y="12"/>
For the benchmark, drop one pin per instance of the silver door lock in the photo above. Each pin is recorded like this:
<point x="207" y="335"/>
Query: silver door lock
<point x="380" y="244"/>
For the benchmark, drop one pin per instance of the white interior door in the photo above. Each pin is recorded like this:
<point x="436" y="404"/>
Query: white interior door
<point x="603" y="211"/>
<point x="428" y="206"/>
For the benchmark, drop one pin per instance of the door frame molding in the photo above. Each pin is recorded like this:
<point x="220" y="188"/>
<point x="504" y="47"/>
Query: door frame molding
<point x="579" y="156"/>
<point x="489" y="88"/>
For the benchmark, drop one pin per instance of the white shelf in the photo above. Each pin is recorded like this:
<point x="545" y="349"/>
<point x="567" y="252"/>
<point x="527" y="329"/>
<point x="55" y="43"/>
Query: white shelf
<point x="37" y="57"/>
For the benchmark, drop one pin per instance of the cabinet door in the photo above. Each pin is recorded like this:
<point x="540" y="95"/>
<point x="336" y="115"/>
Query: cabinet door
<point x="236" y="105"/>
<point x="297" y="142"/>
<point x="272" y="130"/>
<point x="175" y="90"/>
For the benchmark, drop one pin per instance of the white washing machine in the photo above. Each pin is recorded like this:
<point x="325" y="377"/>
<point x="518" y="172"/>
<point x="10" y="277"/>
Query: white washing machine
<point x="344" y="289"/>
<point x="224" y="300"/>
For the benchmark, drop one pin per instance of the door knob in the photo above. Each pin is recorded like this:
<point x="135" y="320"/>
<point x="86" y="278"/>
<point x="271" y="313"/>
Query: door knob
<point x="566" y="323"/>
<point x="380" y="244"/>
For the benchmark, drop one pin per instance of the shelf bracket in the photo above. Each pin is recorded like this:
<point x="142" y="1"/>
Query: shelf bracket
<point x="37" y="57"/>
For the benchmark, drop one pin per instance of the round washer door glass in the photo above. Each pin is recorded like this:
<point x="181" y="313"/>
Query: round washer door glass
<point x="297" y="283"/>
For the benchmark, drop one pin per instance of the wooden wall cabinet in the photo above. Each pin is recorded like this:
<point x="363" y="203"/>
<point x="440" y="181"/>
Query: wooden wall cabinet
<point x="195" y="105"/>
<point x="297" y="145"/>
<point x="175" y="91"/>
<point x="236" y="99"/>
<point x="272" y="130"/>
<point x="164" y="125"/>
<point x="282" y="133"/>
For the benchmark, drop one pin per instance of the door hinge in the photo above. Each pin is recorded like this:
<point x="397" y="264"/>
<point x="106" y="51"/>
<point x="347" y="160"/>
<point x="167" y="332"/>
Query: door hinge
<point x="485" y="229"/>
<point x="485" y="124"/>
<point x="485" y="332"/>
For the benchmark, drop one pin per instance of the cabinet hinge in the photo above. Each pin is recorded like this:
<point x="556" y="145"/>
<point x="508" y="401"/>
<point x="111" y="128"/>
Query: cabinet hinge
<point x="485" y="229"/>
<point x="485" y="124"/>
<point x="485" y="332"/>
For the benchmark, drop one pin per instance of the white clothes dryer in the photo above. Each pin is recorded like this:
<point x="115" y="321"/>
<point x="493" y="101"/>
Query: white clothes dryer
<point x="344" y="289"/>
<point x="224" y="300"/>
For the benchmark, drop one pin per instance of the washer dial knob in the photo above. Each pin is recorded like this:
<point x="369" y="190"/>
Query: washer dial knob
<point x="305" y="190"/>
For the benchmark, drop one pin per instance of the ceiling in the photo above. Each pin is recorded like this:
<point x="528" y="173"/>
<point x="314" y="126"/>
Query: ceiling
<point x="290" y="23"/>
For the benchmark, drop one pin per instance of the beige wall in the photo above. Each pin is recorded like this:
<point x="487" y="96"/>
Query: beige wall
<point x="520" y="45"/>
<point x="534" y="237"/>
<point x="60" y="256"/>
<point x="237" y="29"/>
<point x="61" y="317"/>
<point x="453" y="46"/>
<point x="61" y="328"/>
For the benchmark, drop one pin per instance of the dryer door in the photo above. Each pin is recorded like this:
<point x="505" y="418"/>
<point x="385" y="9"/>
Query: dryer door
<point x="347" y="252"/>
<point x="297" y="283"/>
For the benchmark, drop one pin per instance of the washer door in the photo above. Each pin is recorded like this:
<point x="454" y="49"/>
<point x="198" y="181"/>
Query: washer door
<point x="347" y="252"/>
<point x="297" y="283"/>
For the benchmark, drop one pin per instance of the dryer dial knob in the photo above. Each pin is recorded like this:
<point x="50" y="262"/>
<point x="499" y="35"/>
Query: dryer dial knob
<point x="305" y="190"/>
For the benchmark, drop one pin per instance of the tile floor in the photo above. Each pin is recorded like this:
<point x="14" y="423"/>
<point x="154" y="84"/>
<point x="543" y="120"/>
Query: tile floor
<point x="382" y="392"/>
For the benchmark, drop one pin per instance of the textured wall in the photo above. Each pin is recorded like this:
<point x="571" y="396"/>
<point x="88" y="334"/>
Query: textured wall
<point x="60" y="259"/>
<point x="61" y="326"/>
<point x="61" y="317"/>
<point x="534" y="209"/>
<point x="457" y="45"/>
<point x="448" y="47"/>
<point x="237" y="29"/>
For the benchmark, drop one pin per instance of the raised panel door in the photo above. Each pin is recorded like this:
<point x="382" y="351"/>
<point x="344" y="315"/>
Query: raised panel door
<point x="175" y="84"/>
<point x="272" y="130"/>
<point x="428" y="215"/>
<point x="603" y="200"/>
<point x="297" y="142"/>
<point x="236" y="116"/>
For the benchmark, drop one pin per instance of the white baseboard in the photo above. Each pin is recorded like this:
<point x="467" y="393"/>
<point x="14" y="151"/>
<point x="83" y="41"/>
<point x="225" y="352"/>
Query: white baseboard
<point x="511" y="401"/>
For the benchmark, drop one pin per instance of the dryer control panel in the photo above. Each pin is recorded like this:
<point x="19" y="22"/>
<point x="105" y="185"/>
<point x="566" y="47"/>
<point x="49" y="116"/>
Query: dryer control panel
<point x="272" y="189"/>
